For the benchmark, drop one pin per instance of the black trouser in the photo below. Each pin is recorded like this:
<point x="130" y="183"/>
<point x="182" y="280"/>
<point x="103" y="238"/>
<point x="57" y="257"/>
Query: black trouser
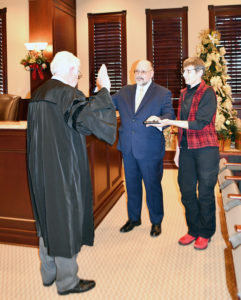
<point x="199" y="167"/>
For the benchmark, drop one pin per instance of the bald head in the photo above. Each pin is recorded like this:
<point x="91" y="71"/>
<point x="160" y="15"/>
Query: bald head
<point x="144" y="65"/>
<point x="143" y="72"/>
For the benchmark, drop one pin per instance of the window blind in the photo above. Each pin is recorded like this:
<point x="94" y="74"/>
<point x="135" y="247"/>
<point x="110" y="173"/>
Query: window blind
<point x="227" y="20"/>
<point x="3" y="52"/>
<point x="167" y="46"/>
<point x="107" y="45"/>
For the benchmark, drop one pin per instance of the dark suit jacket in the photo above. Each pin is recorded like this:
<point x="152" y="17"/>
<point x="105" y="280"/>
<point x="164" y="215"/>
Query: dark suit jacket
<point x="145" y="142"/>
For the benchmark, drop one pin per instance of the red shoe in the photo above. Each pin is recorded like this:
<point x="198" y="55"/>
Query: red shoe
<point x="186" y="240"/>
<point x="201" y="243"/>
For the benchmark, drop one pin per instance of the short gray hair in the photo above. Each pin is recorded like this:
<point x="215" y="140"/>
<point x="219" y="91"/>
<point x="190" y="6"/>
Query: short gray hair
<point x="196" y="62"/>
<point x="62" y="62"/>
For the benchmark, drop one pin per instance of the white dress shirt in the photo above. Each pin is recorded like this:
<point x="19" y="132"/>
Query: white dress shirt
<point x="144" y="88"/>
<point x="57" y="77"/>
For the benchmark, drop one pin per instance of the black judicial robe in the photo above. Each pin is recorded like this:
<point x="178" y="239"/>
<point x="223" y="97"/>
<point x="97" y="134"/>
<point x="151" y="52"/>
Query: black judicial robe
<point x="59" y="118"/>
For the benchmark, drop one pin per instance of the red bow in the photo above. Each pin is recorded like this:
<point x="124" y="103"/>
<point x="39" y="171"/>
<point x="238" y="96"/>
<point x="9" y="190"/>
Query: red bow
<point x="35" y="68"/>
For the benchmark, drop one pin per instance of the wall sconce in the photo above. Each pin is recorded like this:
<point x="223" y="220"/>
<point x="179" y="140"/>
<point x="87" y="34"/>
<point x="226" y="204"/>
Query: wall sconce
<point x="35" y="61"/>
<point x="36" y="46"/>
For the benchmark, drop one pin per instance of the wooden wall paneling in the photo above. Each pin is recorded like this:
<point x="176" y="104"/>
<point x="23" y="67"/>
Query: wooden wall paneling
<point x="168" y="160"/>
<point x="64" y="33"/>
<point x="40" y="22"/>
<point x="13" y="180"/>
<point x="57" y="27"/>
<point x="115" y="162"/>
<point x="17" y="224"/>
<point x="40" y="30"/>
<point x="106" y="175"/>
<point x="68" y="4"/>
<point x="14" y="184"/>
<point x="101" y="170"/>
<point x="107" y="182"/>
<point x="97" y="152"/>
<point x="64" y="28"/>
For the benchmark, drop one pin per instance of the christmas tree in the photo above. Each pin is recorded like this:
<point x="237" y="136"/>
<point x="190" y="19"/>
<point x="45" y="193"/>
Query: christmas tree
<point x="212" y="53"/>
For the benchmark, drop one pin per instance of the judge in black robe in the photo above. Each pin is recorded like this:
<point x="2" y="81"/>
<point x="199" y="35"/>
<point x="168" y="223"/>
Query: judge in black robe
<point x="59" y="118"/>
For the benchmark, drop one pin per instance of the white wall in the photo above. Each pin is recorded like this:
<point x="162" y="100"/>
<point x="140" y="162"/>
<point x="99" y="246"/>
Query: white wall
<point x="17" y="35"/>
<point x="198" y="20"/>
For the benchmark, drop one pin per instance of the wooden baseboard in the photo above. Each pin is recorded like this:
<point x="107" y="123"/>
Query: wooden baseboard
<point x="18" y="236"/>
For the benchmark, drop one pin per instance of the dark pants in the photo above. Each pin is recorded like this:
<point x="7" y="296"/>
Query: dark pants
<point x="150" y="170"/>
<point x="199" y="167"/>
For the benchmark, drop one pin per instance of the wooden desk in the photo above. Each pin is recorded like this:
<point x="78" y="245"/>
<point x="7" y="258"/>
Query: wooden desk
<point x="17" y="224"/>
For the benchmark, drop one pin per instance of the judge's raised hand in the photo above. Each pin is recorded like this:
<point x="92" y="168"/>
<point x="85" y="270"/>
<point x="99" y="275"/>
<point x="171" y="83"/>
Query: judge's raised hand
<point x="103" y="80"/>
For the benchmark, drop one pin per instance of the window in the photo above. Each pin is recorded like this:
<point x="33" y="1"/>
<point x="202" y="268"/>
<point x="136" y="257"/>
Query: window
<point x="167" y="46"/>
<point x="3" y="52"/>
<point x="107" y="45"/>
<point x="227" y="20"/>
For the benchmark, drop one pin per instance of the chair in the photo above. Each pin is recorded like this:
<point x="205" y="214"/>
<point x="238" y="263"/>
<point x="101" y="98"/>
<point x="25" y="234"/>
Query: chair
<point x="9" y="107"/>
<point x="224" y="164"/>
<point x="237" y="263"/>
<point x="222" y="178"/>
<point x="231" y="196"/>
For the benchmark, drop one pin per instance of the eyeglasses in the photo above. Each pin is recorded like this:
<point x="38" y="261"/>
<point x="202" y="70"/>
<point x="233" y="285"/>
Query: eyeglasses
<point x="188" y="71"/>
<point x="141" y="72"/>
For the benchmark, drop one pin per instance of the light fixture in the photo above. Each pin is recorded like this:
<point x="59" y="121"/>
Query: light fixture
<point x="30" y="46"/>
<point x="36" y="46"/>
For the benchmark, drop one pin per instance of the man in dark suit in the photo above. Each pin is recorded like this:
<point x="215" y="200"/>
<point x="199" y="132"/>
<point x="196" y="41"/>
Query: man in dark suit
<point x="143" y="148"/>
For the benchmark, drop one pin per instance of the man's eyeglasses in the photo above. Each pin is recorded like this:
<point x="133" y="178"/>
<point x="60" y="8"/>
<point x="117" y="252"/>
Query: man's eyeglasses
<point x="141" y="72"/>
<point x="188" y="71"/>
